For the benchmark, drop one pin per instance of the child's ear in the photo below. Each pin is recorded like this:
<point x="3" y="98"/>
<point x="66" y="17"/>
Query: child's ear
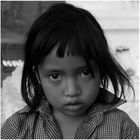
<point x="36" y="72"/>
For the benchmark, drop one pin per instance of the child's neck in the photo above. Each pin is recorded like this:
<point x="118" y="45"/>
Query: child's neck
<point x="68" y="123"/>
<point x="68" y="118"/>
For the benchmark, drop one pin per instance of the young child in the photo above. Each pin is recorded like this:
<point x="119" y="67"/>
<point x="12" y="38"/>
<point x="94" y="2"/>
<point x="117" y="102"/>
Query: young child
<point x="65" y="79"/>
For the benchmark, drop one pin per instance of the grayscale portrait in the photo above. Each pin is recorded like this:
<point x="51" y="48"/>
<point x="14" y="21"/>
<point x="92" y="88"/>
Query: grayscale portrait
<point x="69" y="69"/>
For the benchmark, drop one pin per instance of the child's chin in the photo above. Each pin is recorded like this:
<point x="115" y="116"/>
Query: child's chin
<point x="73" y="112"/>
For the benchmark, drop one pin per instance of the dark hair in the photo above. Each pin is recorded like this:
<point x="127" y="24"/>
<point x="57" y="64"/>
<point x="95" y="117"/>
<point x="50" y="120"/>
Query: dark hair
<point x="78" y="31"/>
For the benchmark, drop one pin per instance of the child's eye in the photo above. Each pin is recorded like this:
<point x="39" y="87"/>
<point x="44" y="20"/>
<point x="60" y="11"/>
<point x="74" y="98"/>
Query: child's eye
<point x="85" y="73"/>
<point x="55" y="77"/>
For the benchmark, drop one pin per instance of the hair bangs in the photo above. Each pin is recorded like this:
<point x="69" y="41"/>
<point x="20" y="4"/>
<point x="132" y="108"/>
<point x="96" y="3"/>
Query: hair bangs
<point x="76" y="42"/>
<point x="73" y="42"/>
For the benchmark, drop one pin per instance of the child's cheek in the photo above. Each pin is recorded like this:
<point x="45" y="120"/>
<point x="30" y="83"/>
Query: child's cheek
<point x="90" y="85"/>
<point x="49" y="83"/>
<point x="52" y="87"/>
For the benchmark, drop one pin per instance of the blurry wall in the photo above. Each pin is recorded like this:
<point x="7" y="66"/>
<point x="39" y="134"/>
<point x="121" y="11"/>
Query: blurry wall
<point x="119" y="19"/>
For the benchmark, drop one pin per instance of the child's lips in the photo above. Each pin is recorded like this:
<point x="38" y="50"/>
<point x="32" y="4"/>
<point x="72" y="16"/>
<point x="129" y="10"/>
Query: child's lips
<point x="73" y="105"/>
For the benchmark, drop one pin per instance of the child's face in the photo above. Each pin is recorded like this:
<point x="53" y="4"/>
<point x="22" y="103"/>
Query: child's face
<point x="68" y="85"/>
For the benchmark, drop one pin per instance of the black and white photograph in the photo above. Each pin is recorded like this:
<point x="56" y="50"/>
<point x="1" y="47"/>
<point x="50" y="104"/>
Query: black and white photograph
<point x="70" y="69"/>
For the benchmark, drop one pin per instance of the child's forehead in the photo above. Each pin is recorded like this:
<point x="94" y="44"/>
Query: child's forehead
<point x="67" y="54"/>
<point x="66" y="51"/>
<point x="53" y="54"/>
<point x="53" y="57"/>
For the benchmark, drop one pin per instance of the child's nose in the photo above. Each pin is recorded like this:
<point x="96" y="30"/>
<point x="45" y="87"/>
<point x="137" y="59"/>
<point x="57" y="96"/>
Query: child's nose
<point x="72" y="88"/>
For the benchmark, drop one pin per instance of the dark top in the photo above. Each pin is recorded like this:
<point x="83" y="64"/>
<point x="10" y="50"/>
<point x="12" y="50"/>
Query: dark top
<point x="103" y="121"/>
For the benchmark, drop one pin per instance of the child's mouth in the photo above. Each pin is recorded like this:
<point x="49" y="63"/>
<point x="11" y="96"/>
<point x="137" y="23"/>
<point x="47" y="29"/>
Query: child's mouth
<point x="73" y="106"/>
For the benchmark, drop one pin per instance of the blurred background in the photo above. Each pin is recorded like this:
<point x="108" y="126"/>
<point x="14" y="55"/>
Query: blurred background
<point x="119" y="19"/>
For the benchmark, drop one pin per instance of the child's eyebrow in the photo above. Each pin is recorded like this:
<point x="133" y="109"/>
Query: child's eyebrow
<point x="52" y="70"/>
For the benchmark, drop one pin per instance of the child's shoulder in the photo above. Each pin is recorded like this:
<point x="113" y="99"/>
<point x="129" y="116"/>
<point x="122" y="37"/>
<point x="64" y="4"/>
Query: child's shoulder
<point x="117" y="114"/>
<point x="129" y="128"/>
<point x="18" y="115"/>
<point x="121" y="118"/>
<point x="116" y="124"/>
<point x="12" y="124"/>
